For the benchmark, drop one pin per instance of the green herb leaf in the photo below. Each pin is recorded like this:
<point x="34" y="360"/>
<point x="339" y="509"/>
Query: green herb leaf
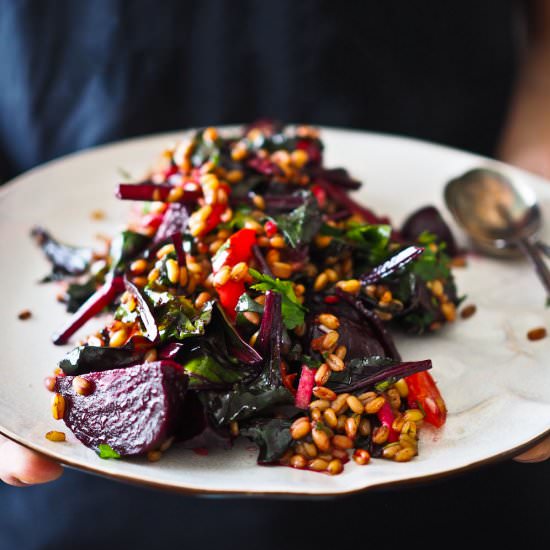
<point x="293" y="312"/>
<point x="434" y="263"/>
<point x="246" y="303"/>
<point x="375" y="238"/>
<point x="176" y="316"/>
<point x="310" y="362"/>
<point x="125" y="247"/>
<point x="271" y="435"/>
<point x="105" y="451"/>
<point x="241" y="214"/>
<point x="205" y="369"/>
<point x="303" y="223"/>
<point x="371" y="240"/>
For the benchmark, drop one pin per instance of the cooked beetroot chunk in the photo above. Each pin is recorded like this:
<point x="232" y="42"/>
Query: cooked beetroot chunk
<point x="134" y="410"/>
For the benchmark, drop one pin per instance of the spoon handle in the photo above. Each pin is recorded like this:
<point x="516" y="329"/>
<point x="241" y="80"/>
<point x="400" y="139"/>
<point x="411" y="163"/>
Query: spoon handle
<point x="544" y="248"/>
<point x="534" y="254"/>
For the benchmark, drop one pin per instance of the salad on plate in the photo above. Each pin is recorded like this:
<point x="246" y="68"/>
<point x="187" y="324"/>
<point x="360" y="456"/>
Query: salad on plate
<point x="251" y="296"/>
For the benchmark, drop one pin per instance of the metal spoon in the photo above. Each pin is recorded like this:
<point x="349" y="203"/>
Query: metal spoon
<point x="501" y="218"/>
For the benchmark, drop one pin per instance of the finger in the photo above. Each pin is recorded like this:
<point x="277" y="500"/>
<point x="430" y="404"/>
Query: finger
<point x="20" y="466"/>
<point x="538" y="453"/>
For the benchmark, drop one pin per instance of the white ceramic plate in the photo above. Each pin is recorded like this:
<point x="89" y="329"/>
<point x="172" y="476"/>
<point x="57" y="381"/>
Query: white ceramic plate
<point x="496" y="383"/>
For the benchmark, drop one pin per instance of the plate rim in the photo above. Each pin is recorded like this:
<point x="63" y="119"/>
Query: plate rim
<point x="9" y="187"/>
<point x="191" y="491"/>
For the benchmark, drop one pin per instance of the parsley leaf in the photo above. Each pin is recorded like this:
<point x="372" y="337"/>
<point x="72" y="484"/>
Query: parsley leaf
<point x="293" y="311"/>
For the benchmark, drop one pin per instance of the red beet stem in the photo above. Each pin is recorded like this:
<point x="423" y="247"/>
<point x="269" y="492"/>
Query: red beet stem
<point x="341" y="196"/>
<point x="147" y="191"/>
<point x="103" y="297"/>
<point x="177" y="240"/>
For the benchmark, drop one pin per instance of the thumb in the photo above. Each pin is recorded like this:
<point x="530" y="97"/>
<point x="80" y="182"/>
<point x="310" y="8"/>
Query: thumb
<point x="20" y="466"/>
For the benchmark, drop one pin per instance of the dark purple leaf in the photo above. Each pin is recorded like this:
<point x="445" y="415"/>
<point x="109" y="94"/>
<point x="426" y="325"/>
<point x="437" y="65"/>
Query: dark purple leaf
<point x="174" y="221"/>
<point x="338" y="176"/>
<point x="373" y="370"/>
<point x="283" y="202"/>
<point x="65" y="259"/>
<point x="377" y="326"/>
<point x="147" y="317"/>
<point x="390" y="266"/>
<point x="429" y="219"/>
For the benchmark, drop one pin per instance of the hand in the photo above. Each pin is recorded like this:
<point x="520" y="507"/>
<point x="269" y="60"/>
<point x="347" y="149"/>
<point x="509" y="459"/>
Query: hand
<point x="538" y="453"/>
<point x="21" y="467"/>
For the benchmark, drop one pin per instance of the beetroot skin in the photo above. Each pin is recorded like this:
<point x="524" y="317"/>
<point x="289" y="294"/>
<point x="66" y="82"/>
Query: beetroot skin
<point x="133" y="410"/>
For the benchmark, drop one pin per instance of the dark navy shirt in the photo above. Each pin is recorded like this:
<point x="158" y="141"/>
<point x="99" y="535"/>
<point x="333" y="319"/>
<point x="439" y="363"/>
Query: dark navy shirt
<point x="77" y="73"/>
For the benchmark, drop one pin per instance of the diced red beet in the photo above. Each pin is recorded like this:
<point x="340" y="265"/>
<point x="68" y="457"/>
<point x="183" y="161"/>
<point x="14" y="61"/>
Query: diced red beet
<point x="133" y="410"/>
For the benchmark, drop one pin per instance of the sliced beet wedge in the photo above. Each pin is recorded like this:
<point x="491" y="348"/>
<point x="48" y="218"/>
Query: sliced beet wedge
<point x="133" y="410"/>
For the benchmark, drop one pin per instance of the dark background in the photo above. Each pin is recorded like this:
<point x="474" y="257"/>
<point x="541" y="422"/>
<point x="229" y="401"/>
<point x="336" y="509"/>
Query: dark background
<point x="75" y="74"/>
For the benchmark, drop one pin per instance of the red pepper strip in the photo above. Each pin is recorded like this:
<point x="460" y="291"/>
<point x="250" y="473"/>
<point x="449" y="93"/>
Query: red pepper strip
<point x="424" y="393"/>
<point x="214" y="219"/>
<point x="90" y="308"/>
<point x="320" y="195"/>
<point x="152" y="221"/>
<point x="147" y="191"/>
<point x="386" y="417"/>
<point x="305" y="387"/>
<point x="270" y="228"/>
<point x="238" y="248"/>
<point x="229" y="294"/>
<point x="288" y="379"/>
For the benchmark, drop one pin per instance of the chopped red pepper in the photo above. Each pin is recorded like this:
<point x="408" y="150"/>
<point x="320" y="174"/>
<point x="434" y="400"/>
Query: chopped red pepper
<point x="288" y="379"/>
<point x="152" y="221"/>
<point x="214" y="219"/>
<point x="229" y="294"/>
<point x="238" y="248"/>
<point x="424" y="393"/>
<point x="270" y="228"/>
<point x="320" y="194"/>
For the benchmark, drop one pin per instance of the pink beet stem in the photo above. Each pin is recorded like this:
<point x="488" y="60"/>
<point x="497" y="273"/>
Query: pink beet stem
<point x="386" y="417"/>
<point x="305" y="387"/>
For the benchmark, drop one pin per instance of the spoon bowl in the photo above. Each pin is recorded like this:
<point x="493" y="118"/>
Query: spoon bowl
<point x="501" y="218"/>
<point x="495" y="213"/>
